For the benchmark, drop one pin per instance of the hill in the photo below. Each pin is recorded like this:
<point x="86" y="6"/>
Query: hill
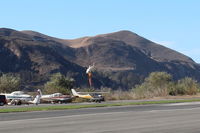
<point x="122" y="59"/>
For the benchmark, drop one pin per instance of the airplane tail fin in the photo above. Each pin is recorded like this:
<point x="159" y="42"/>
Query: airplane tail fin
<point x="37" y="98"/>
<point x="39" y="92"/>
<point x="74" y="92"/>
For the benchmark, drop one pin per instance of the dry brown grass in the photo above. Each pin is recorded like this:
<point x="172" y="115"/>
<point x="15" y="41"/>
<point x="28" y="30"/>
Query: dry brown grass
<point x="131" y="95"/>
<point x="120" y="95"/>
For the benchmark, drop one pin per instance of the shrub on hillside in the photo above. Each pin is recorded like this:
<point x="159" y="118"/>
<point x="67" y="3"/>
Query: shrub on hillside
<point x="59" y="83"/>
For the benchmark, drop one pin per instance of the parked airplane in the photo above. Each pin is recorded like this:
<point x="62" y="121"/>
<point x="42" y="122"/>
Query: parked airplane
<point x="57" y="98"/>
<point x="18" y="98"/>
<point x="92" y="96"/>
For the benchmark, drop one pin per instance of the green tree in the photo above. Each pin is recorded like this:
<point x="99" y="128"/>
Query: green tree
<point x="59" y="83"/>
<point x="159" y="79"/>
<point x="185" y="86"/>
<point x="156" y="84"/>
<point x="9" y="83"/>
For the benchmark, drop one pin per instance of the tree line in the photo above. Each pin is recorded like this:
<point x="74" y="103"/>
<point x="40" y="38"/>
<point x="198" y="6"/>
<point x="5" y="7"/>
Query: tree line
<point x="155" y="85"/>
<point x="57" y="83"/>
<point x="162" y="84"/>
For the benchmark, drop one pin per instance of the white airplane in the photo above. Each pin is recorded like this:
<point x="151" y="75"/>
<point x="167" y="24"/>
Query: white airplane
<point x="92" y="96"/>
<point x="16" y="97"/>
<point x="57" y="98"/>
<point x="19" y="97"/>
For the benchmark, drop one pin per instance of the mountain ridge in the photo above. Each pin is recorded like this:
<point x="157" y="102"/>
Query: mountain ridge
<point x="122" y="59"/>
<point x="127" y="37"/>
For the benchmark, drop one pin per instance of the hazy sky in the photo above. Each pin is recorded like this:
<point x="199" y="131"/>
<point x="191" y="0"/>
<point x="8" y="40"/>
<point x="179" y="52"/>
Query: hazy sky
<point x="173" y="23"/>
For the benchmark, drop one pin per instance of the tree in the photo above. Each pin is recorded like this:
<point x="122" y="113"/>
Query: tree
<point x="159" y="79"/>
<point x="156" y="84"/>
<point x="59" y="83"/>
<point x="185" y="86"/>
<point x="9" y="83"/>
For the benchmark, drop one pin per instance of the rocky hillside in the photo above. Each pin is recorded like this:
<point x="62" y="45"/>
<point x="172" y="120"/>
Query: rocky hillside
<point x="122" y="59"/>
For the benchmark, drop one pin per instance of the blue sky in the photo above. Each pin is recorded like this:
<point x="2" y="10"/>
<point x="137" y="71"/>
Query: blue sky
<point x="173" y="23"/>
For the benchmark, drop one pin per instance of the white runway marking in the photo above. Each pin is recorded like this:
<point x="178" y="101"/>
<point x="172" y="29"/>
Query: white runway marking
<point x="167" y="110"/>
<point x="179" y="104"/>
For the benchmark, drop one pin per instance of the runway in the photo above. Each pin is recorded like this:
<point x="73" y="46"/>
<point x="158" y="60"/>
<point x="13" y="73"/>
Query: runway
<point x="83" y="103"/>
<point x="163" y="118"/>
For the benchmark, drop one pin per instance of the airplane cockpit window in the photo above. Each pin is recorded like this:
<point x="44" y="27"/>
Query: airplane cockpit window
<point x="96" y="95"/>
<point x="17" y="93"/>
<point x="57" y="94"/>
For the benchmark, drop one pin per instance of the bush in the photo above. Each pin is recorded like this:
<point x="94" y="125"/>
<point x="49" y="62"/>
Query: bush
<point x="59" y="83"/>
<point x="9" y="83"/>
<point x="185" y="86"/>
<point x="160" y="84"/>
<point x="156" y="84"/>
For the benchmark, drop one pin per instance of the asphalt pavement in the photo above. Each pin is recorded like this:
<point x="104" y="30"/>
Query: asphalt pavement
<point x="160" y="118"/>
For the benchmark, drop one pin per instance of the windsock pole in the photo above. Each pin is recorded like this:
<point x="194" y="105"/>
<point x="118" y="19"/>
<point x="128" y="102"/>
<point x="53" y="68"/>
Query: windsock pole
<point x="90" y="79"/>
<point x="89" y="73"/>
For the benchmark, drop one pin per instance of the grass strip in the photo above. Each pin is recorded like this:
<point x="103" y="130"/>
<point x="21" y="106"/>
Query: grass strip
<point x="63" y="107"/>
